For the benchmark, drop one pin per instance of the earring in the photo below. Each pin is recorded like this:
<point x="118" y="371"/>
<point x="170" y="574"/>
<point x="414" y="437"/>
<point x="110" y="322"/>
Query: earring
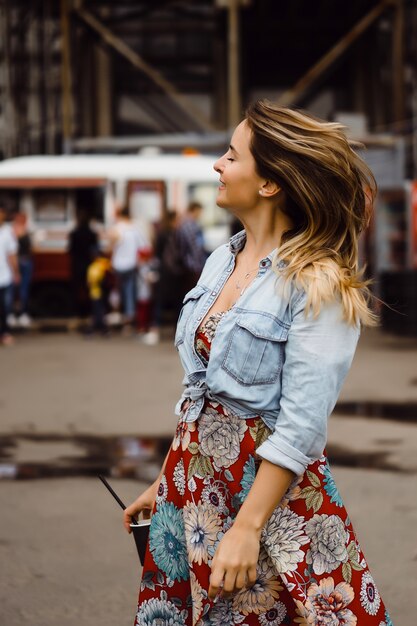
<point x="261" y="193"/>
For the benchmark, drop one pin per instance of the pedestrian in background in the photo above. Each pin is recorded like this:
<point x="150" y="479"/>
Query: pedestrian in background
<point x="247" y="522"/>
<point x="191" y="245"/>
<point x="25" y="262"/>
<point x="83" y="241"/>
<point x="167" y="290"/>
<point x="9" y="274"/>
<point x="126" y="240"/>
<point x="98" y="284"/>
<point x="146" y="277"/>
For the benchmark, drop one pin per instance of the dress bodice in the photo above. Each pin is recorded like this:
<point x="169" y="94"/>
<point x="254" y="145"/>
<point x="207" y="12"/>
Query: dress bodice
<point x="205" y="336"/>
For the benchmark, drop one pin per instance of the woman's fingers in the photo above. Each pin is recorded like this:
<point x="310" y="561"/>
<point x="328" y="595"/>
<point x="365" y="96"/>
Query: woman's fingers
<point x="241" y="580"/>
<point x="252" y="576"/>
<point x="216" y="581"/>
<point x="130" y="513"/>
<point x="230" y="581"/>
<point x="145" y="502"/>
<point x="127" y="520"/>
<point x="229" y="585"/>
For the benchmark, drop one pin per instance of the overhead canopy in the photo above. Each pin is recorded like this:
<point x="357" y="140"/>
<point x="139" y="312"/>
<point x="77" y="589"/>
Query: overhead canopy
<point x="83" y="170"/>
<point x="50" y="183"/>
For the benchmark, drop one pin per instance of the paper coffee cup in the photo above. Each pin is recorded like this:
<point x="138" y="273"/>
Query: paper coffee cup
<point x="141" y="533"/>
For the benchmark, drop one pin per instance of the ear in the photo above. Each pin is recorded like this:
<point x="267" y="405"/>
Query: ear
<point x="269" y="189"/>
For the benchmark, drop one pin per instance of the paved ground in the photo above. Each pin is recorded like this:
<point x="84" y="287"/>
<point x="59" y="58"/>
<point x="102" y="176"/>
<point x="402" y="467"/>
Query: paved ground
<point x="64" y="556"/>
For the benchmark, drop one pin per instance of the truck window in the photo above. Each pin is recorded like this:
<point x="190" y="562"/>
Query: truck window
<point x="50" y="206"/>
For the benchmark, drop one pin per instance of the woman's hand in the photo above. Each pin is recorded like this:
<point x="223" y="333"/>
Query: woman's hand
<point x="234" y="563"/>
<point x="144" y="503"/>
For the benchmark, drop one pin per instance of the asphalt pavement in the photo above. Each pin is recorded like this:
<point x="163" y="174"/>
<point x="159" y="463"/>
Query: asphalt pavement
<point x="71" y="407"/>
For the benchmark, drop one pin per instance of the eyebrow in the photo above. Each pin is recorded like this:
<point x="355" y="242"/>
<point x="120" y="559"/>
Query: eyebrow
<point x="233" y="149"/>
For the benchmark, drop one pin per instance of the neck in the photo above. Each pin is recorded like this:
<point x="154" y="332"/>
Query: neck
<point x="263" y="233"/>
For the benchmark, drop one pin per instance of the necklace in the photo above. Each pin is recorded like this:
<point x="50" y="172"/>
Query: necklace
<point x="246" y="276"/>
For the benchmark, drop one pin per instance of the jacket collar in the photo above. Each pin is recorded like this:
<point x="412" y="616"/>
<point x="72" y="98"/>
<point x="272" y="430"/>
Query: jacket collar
<point x="237" y="243"/>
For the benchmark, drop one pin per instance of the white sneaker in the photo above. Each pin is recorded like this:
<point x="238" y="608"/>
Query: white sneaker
<point x="25" y="321"/>
<point x="11" y="320"/>
<point x="151" y="338"/>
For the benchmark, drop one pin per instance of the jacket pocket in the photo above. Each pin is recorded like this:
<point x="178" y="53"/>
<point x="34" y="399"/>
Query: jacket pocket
<point x="188" y="304"/>
<point x="255" y="351"/>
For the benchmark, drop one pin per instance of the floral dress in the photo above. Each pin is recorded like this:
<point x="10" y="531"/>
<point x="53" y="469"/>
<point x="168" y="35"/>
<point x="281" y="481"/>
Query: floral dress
<point x="311" y="569"/>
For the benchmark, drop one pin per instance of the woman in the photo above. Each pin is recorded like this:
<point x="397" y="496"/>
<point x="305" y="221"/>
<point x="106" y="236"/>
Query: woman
<point x="248" y="526"/>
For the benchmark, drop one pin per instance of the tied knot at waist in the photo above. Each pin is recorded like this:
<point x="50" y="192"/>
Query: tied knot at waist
<point x="196" y="393"/>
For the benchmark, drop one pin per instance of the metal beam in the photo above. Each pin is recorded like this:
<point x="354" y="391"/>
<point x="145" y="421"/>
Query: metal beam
<point x="8" y="100"/>
<point x="145" y="11"/>
<point x="293" y="95"/>
<point x="66" y="77"/>
<point x="234" y="102"/>
<point x="212" y="142"/>
<point x="398" y="65"/>
<point x="137" y="61"/>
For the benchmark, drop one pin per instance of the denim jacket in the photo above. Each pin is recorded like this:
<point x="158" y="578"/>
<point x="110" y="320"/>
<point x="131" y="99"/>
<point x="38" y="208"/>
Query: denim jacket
<point x="267" y="358"/>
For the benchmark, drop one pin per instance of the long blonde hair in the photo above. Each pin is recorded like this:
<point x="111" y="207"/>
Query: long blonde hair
<point x="329" y="191"/>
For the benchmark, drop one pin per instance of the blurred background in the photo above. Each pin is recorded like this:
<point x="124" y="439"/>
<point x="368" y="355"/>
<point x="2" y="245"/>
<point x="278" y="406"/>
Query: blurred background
<point x="111" y="116"/>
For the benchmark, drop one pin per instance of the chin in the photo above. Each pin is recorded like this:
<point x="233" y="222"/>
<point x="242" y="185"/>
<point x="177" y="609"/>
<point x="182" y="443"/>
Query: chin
<point x="221" y="202"/>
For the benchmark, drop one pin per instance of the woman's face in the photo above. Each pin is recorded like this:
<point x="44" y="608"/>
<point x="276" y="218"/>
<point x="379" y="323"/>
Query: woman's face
<point x="239" y="182"/>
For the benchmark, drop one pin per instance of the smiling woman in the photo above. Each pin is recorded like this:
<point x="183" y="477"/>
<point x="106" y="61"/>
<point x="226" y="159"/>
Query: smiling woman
<point x="240" y="185"/>
<point x="251" y="514"/>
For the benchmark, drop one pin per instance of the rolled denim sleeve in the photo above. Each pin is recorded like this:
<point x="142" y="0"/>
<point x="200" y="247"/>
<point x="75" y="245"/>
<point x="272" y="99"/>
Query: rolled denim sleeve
<point x="318" y="355"/>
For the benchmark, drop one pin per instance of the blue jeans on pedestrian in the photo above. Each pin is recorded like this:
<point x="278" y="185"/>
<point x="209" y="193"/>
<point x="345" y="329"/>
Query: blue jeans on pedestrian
<point x="9" y="298"/>
<point x="98" y="310"/>
<point x="127" y="288"/>
<point x="4" y="329"/>
<point x="26" y="271"/>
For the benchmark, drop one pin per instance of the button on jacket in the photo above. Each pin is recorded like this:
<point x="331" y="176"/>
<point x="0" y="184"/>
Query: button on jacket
<point x="267" y="358"/>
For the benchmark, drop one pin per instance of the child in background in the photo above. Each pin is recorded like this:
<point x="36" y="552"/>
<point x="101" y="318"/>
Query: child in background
<point x="147" y="276"/>
<point x="97" y="275"/>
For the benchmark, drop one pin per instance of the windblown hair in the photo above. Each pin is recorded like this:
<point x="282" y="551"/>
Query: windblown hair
<point x="329" y="192"/>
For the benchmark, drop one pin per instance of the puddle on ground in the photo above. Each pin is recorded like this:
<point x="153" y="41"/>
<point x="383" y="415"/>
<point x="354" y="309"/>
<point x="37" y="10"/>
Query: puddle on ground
<point x="397" y="411"/>
<point x="34" y="456"/>
<point x="25" y="456"/>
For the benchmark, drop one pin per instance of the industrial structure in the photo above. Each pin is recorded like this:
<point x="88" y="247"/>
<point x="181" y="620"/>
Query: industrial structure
<point x="97" y="75"/>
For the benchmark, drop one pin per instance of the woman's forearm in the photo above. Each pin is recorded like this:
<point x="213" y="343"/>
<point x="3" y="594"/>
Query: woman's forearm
<point x="267" y="491"/>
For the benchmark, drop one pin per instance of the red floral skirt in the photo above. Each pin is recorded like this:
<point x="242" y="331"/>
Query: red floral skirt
<point x="311" y="568"/>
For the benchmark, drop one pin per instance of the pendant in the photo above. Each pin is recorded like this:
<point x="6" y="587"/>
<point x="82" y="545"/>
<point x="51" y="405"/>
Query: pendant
<point x="239" y="286"/>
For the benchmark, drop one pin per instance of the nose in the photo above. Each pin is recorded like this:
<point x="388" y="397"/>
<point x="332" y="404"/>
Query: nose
<point x="218" y="165"/>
